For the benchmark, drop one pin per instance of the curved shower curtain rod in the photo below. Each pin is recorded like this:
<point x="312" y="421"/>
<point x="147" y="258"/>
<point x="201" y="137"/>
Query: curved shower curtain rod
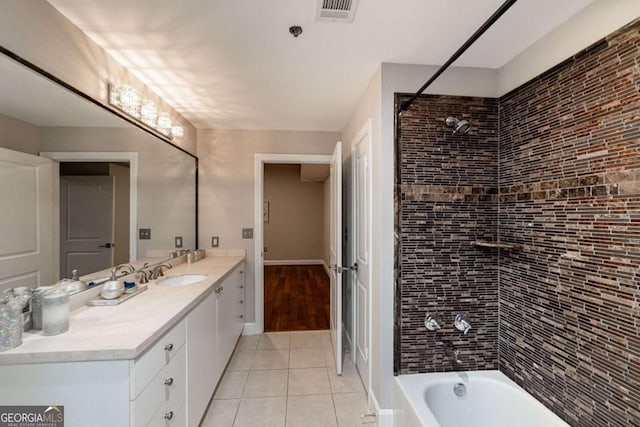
<point x="489" y="22"/>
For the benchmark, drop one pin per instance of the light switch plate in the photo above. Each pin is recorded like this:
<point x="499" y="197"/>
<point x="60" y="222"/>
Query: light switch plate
<point x="178" y="241"/>
<point x="215" y="241"/>
<point x="144" y="234"/>
<point x="247" y="233"/>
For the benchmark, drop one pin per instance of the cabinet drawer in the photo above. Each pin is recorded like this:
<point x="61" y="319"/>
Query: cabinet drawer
<point x="153" y="360"/>
<point x="168" y="416"/>
<point x="167" y="387"/>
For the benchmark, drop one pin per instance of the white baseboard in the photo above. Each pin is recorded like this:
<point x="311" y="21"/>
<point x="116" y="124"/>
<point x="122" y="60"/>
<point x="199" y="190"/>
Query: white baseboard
<point x="293" y="262"/>
<point x="251" y="329"/>
<point x="385" y="416"/>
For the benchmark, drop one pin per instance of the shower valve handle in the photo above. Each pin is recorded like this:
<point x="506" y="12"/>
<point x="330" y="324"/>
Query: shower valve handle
<point x="431" y="322"/>
<point x="461" y="324"/>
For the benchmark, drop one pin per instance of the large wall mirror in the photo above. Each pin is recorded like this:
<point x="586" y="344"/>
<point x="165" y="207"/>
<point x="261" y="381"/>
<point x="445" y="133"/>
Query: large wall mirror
<point x="80" y="187"/>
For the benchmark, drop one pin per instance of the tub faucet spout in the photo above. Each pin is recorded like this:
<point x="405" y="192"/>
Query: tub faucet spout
<point x="455" y="353"/>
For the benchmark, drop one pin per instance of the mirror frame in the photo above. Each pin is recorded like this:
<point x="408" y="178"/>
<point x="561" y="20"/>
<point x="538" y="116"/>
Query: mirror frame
<point x="162" y="138"/>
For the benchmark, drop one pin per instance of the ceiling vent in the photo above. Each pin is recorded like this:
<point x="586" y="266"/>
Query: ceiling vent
<point x="336" y="10"/>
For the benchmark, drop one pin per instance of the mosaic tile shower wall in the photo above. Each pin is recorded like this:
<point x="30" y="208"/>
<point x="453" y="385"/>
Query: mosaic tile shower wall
<point x="448" y="200"/>
<point x="560" y="314"/>
<point x="570" y="194"/>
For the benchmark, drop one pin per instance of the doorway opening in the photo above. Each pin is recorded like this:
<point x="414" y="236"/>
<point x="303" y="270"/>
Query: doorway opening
<point x="335" y="241"/>
<point x="94" y="216"/>
<point x="296" y="237"/>
<point x="74" y="163"/>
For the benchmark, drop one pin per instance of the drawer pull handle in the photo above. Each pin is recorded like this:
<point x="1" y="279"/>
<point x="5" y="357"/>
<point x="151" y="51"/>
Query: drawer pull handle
<point x="168" y="347"/>
<point x="241" y="286"/>
<point x="168" y="415"/>
<point x="241" y="302"/>
<point x="168" y="382"/>
<point x="218" y="290"/>
<point x="241" y="316"/>
<point x="241" y="272"/>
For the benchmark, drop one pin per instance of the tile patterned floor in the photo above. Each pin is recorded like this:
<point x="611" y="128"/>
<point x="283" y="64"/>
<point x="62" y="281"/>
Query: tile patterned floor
<point x="288" y="379"/>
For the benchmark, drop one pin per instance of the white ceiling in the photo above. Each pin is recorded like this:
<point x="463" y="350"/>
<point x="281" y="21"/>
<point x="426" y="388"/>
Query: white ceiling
<point x="233" y="64"/>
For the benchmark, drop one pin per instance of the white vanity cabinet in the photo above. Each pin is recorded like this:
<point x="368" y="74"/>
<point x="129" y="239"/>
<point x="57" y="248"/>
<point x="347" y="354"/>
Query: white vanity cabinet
<point x="230" y="315"/>
<point x="202" y="356"/>
<point x="158" y="381"/>
<point x="213" y="328"/>
<point x="108" y="393"/>
<point x="117" y="375"/>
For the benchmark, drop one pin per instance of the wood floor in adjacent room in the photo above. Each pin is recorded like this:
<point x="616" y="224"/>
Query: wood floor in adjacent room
<point x="296" y="298"/>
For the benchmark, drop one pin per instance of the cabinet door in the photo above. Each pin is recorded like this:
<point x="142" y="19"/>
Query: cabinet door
<point x="225" y="314"/>
<point x="239" y="302"/>
<point x="202" y="357"/>
<point x="230" y="315"/>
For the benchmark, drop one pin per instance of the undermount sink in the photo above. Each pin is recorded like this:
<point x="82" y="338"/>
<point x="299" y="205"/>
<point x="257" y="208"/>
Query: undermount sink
<point x="181" y="280"/>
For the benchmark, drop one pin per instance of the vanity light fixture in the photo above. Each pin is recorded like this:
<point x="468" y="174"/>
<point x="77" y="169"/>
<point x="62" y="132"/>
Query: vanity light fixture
<point x="164" y="124"/>
<point x="177" y="131"/>
<point x="149" y="113"/>
<point x="127" y="99"/>
<point x="131" y="102"/>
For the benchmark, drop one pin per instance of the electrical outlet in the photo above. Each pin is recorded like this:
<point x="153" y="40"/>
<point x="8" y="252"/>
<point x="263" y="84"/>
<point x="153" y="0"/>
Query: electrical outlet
<point x="215" y="241"/>
<point x="144" y="234"/>
<point x="178" y="241"/>
<point x="247" y="233"/>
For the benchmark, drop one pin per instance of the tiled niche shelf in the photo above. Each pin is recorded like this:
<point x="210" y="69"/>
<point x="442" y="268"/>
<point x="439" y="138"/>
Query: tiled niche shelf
<point x="498" y="245"/>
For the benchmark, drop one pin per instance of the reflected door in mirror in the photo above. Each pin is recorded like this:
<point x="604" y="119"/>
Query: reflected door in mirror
<point x="86" y="223"/>
<point x="27" y="255"/>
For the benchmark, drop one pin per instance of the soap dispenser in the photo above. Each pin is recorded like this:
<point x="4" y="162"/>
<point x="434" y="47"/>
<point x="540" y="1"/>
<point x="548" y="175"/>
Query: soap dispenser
<point x="75" y="285"/>
<point x="112" y="288"/>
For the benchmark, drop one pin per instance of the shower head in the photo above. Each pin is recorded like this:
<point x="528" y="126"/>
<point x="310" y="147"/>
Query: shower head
<point x="459" y="126"/>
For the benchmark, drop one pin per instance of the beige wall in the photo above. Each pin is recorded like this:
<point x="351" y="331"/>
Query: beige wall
<point x="227" y="184"/>
<point x="36" y="31"/>
<point x="19" y="136"/>
<point x="294" y="230"/>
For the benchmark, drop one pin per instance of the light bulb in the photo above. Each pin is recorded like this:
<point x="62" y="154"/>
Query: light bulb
<point x="149" y="113"/>
<point x="164" y="124"/>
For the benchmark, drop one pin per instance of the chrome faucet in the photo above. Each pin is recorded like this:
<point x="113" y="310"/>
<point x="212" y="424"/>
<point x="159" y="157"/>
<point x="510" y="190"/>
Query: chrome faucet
<point x="144" y="279"/>
<point x="123" y="269"/>
<point x="461" y="323"/>
<point x="157" y="271"/>
<point x="455" y="353"/>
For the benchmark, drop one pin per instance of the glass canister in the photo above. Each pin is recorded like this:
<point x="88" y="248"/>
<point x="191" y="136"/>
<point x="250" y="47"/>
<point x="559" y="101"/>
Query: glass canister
<point x="55" y="312"/>
<point x="36" y="305"/>
<point x="11" y="321"/>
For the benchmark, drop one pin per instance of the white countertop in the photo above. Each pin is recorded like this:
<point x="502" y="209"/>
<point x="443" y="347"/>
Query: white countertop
<point x="123" y="331"/>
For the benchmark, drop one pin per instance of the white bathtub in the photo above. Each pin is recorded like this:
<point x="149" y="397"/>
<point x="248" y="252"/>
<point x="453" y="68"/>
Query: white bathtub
<point x="490" y="400"/>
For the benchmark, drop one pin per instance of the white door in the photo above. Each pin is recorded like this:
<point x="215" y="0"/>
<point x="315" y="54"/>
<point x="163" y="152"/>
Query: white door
<point x="335" y="260"/>
<point x="362" y="218"/>
<point x="28" y="253"/>
<point x="86" y="224"/>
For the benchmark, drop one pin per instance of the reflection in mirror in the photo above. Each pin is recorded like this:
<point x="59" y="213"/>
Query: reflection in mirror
<point x="81" y="188"/>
